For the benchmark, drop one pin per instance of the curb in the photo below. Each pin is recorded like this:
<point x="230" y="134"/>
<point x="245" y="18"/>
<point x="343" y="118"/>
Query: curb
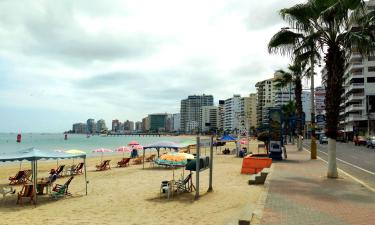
<point x="364" y="184"/>
<point x="257" y="214"/>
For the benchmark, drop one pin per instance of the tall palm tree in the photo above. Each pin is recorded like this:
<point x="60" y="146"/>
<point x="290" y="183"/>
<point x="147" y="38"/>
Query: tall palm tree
<point x="335" y="26"/>
<point x="294" y="77"/>
<point x="289" y="111"/>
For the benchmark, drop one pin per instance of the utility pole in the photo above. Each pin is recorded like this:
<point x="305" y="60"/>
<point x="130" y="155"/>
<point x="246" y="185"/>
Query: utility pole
<point x="313" y="141"/>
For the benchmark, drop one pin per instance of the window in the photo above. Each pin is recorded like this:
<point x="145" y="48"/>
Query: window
<point x="370" y="79"/>
<point x="371" y="58"/>
<point x="371" y="69"/>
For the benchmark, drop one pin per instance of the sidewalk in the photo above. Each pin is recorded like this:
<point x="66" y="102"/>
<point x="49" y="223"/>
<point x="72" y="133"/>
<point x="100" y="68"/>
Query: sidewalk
<point x="299" y="193"/>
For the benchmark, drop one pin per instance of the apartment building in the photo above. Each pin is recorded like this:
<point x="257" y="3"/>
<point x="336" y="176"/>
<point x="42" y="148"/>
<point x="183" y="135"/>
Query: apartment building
<point x="208" y="118"/>
<point x="190" y="110"/>
<point x="356" y="114"/>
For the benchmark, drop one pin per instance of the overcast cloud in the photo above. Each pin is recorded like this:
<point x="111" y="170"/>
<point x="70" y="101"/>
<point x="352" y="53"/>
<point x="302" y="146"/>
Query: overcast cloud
<point x="65" y="61"/>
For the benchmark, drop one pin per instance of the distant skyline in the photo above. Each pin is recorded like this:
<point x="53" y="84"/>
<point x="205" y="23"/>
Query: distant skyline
<point x="62" y="62"/>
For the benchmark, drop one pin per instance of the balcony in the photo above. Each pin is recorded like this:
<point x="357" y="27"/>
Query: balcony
<point x="356" y="97"/>
<point x="356" y="86"/>
<point x="355" y="107"/>
<point x="353" y="66"/>
<point x="354" y="57"/>
<point x="352" y="118"/>
<point x="354" y="75"/>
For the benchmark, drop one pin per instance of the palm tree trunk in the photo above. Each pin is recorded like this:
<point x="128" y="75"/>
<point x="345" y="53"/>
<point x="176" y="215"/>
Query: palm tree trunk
<point x="298" y="93"/>
<point x="313" y="141"/>
<point x="335" y="70"/>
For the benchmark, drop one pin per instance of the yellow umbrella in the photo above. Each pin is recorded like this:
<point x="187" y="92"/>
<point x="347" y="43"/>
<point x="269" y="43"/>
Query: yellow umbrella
<point x="75" y="152"/>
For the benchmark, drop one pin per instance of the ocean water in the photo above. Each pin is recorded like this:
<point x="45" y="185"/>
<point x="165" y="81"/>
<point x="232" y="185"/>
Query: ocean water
<point x="76" y="141"/>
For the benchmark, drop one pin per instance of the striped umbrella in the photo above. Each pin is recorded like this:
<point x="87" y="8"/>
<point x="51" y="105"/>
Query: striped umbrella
<point x="102" y="150"/>
<point x="123" y="149"/>
<point x="132" y="143"/>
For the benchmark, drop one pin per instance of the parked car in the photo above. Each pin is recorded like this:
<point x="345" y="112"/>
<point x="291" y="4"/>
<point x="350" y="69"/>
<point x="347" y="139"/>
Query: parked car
<point x="323" y="139"/>
<point x="359" y="140"/>
<point x="371" y="142"/>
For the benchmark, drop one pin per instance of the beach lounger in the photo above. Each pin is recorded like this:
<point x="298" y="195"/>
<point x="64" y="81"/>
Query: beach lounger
<point x="103" y="166"/>
<point x="138" y="160"/>
<point x="18" y="178"/>
<point x="185" y="185"/>
<point x="78" y="169"/>
<point x="151" y="158"/>
<point x="27" y="191"/>
<point x="59" y="170"/>
<point x="61" y="190"/>
<point x="27" y="175"/>
<point x="124" y="162"/>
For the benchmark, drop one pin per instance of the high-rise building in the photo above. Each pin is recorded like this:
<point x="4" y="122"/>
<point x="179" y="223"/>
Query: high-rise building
<point x="221" y="115"/>
<point x="138" y="126"/>
<point x="115" y="125"/>
<point x="265" y="99"/>
<point x="232" y="113"/>
<point x="146" y="124"/>
<point x="208" y="118"/>
<point x="79" y="128"/>
<point x="356" y="114"/>
<point x="128" y="126"/>
<point x="190" y="109"/>
<point x="101" y="127"/>
<point x="91" y="126"/>
<point x="252" y="112"/>
<point x="176" y="122"/>
<point x="158" y="121"/>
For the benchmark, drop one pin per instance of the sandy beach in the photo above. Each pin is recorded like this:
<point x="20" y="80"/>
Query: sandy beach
<point x="130" y="195"/>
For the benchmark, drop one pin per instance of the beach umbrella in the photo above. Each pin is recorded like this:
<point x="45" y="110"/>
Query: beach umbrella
<point x="132" y="143"/>
<point x="186" y="155"/>
<point x="75" y="152"/>
<point x="102" y="150"/>
<point x="138" y="147"/>
<point x="57" y="161"/>
<point x="173" y="159"/>
<point x="123" y="149"/>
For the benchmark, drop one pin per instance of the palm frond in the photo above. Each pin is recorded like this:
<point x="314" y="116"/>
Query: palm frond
<point x="283" y="42"/>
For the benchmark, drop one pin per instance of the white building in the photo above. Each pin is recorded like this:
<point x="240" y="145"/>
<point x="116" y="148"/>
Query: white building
<point x="208" y="118"/>
<point x="176" y="121"/>
<point x="232" y="113"/>
<point x="359" y="83"/>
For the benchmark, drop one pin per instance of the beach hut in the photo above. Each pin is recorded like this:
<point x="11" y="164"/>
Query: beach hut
<point x="34" y="155"/>
<point x="158" y="145"/>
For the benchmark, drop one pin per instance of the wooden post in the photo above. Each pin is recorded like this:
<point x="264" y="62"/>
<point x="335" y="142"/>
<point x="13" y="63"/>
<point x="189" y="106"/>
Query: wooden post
<point x="211" y="164"/>
<point x="84" y="164"/>
<point x="197" y="168"/>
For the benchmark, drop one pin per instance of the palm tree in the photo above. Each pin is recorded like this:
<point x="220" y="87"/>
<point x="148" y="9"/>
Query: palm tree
<point x="289" y="111"/>
<point x="294" y="76"/>
<point x="335" y="26"/>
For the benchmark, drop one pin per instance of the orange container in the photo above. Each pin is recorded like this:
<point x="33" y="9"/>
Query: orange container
<point x="255" y="163"/>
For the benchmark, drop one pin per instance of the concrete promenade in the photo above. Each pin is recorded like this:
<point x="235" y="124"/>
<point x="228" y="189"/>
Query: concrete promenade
<point x="299" y="193"/>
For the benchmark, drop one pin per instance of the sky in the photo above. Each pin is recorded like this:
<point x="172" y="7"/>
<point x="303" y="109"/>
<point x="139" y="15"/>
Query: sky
<point x="62" y="62"/>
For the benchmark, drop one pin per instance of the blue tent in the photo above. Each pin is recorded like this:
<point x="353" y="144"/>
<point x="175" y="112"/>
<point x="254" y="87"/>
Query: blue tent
<point x="226" y="138"/>
<point x="33" y="155"/>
